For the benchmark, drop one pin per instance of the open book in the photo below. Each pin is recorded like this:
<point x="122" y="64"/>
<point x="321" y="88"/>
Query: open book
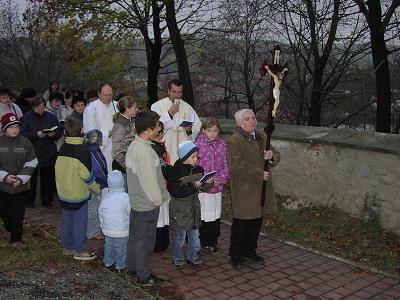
<point x="186" y="124"/>
<point x="207" y="176"/>
<point x="188" y="121"/>
<point x="49" y="130"/>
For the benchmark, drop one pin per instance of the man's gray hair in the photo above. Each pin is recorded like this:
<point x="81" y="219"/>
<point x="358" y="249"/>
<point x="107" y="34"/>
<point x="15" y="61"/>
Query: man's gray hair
<point x="239" y="115"/>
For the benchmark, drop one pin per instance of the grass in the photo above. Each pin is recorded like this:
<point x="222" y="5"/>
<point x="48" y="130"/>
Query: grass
<point x="42" y="250"/>
<point x="44" y="253"/>
<point x="332" y="231"/>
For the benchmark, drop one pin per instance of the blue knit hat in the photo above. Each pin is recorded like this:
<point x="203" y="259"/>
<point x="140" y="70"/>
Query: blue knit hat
<point x="186" y="149"/>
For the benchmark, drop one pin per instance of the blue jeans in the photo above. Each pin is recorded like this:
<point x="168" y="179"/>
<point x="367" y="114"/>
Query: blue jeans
<point x="178" y="237"/>
<point x="115" y="251"/>
<point x="73" y="228"/>
<point x="93" y="226"/>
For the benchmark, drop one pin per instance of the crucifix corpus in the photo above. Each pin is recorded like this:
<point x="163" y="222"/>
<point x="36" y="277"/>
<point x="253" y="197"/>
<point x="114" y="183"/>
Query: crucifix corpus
<point x="277" y="73"/>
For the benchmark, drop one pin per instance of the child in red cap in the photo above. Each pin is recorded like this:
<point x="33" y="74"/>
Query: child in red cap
<point x="17" y="164"/>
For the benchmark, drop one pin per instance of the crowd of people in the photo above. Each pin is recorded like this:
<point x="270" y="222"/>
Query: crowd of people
<point x="132" y="178"/>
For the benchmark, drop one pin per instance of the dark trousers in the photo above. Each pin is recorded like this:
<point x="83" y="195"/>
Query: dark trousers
<point x="209" y="233"/>
<point x="142" y="238"/>
<point x="47" y="185"/>
<point x="244" y="237"/>
<point x="162" y="239"/>
<point x="12" y="211"/>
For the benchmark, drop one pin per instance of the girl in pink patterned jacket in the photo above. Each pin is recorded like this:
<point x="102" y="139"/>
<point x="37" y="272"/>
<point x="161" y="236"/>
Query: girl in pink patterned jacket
<point x="212" y="157"/>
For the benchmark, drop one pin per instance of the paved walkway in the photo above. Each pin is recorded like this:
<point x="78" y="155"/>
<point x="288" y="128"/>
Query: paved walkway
<point x="289" y="273"/>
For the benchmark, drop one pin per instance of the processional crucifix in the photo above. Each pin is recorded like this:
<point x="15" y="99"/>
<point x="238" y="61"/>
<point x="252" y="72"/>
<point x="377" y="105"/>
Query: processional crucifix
<point x="277" y="73"/>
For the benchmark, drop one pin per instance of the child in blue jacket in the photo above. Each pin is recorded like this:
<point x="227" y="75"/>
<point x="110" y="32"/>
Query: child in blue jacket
<point x="93" y="140"/>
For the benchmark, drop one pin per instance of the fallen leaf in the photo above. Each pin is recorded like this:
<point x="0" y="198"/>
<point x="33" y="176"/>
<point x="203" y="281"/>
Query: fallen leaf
<point x="10" y="274"/>
<point x="364" y="274"/>
<point x="47" y="235"/>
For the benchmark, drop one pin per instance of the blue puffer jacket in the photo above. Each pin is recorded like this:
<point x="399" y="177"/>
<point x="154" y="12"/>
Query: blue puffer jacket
<point x="45" y="148"/>
<point x="99" y="165"/>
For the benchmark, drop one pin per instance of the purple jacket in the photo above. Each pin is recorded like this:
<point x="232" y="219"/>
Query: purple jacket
<point x="99" y="165"/>
<point x="213" y="158"/>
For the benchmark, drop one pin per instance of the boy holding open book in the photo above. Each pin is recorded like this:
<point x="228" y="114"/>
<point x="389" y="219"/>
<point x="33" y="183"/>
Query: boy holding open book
<point x="184" y="183"/>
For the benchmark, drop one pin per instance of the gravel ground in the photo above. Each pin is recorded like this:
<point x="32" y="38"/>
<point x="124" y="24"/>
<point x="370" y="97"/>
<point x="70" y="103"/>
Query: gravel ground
<point x="67" y="283"/>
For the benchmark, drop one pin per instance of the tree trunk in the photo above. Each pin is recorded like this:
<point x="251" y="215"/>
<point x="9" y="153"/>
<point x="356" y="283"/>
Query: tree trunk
<point x="378" y="25"/>
<point x="381" y="66"/>
<point x="314" y="118"/>
<point x="180" y="53"/>
<point x="152" y="80"/>
<point x="382" y="79"/>
<point x="320" y="61"/>
<point x="153" y="51"/>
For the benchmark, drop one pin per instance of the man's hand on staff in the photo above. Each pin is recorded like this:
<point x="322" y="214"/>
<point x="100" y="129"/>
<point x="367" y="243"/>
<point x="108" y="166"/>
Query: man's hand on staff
<point x="174" y="108"/>
<point x="267" y="176"/>
<point x="268" y="155"/>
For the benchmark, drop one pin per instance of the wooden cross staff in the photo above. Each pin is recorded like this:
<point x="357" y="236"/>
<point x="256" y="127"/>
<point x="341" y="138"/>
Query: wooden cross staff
<point x="277" y="73"/>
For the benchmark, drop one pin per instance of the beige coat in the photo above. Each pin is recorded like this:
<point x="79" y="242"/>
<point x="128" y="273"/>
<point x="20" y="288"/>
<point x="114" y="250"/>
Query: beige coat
<point x="246" y="169"/>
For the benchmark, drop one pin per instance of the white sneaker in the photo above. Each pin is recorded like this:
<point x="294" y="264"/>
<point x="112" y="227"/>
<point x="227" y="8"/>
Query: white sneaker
<point x="85" y="256"/>
<point x="69" y="252"/>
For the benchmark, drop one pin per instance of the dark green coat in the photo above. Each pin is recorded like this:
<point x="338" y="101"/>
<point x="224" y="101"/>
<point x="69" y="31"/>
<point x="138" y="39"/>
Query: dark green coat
<point x="184" y="207"/>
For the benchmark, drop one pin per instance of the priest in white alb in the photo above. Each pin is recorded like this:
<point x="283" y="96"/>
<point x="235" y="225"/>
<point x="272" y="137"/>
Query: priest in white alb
<point x="99" y="115"/>
<point x="173" y="111"/>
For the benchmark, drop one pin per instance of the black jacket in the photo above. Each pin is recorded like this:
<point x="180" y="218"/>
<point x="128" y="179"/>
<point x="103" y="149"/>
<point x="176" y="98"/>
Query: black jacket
<point x="45" y="148"/>
<point x="184" y="207"/>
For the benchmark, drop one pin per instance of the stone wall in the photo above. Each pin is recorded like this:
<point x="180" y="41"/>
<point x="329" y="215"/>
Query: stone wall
<point x="359" y="172"/>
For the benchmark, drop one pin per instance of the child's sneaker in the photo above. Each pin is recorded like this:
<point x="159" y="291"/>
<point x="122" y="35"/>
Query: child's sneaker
<point x="195" y="262"/>
<point x="69" y="252"/>
<point x="20" y="245"/>
<point x="179" y="262"/>
<point x="84" y="256"/>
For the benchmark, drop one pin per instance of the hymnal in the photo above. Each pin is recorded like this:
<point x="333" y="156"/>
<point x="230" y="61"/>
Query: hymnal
<point x="49" y="130"/>
<point x="207" y="176"/>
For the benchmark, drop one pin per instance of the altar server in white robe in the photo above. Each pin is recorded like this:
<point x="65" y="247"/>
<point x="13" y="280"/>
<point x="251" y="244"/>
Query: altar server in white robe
<point x="173" y="111"/>
<point x="99" y="115"/>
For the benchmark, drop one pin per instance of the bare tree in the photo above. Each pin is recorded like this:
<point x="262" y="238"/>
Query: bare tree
<point x="26" y="57"/>
<point x="325" y="38"/>
<point x="234" y="49"/>
<point x="121" y="19"/>
<point x="380" y="25"/>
